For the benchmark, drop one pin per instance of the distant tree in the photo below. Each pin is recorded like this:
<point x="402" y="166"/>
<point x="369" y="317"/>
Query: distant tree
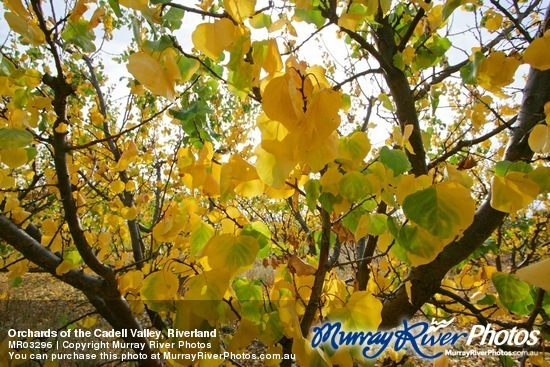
<point x="272" y="187"/>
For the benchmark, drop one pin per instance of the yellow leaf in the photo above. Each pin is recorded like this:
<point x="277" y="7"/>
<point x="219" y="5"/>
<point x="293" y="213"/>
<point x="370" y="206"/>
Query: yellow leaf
<point x="149" y="72"/>
<point x="350" y="21"/>
<point x="62" y="128"/>
<point x="213" y="38"/>
<point x="96" y="18"/>
<point x="273" y="169"/>
<point x="282" y="23"/>
<point x="493" y="22"/>
<point x="362" y="227"/>
<point x="331" y="180"/>
<point x="10" y="204"/>
<point x="537" y="274"/>
<point x="130" y="282"/>
<point x="538" y="53"/>
<point x="513" y="192"/>
<point x="300" y="267"/>
<point x="230" y="253"/>
<point x="170" y="226"/>
<point x="117" y="186"/>
<point x="539" y="139"/>
<point x="26" y="27"/>
<point x="104" y="238"/>
<point x="6" y="181"/>
<point x="14" y="158"/>
<point x="131" y="186"/>
<point x="127" y="156"/>
<point x="308" y="356"/>
<point x="129" y="213"/>
<point x="273" y="62"/>
<point x="18" y="7"/>
<point x="282" y="91"/>
<point x="64" y="267"/>
<point x="239" y="10"/>
<point x="18" y="269"/>
<point x="410" y="184"/>
<point x="363" y="311"/>
<point x="240" y="176"/>
<point x="159" y="286"/>
<point x="322" y="117"/>
<point x="79" y="9"/>
<point x="134" y="4"/>
<point x="169" y="61"/>
<point x="321" y="154"/>
<point x="87" y="322"/>
<point x="354" y="148"/>
<point x="246" y="332"/>
<point x="49" y="226"/>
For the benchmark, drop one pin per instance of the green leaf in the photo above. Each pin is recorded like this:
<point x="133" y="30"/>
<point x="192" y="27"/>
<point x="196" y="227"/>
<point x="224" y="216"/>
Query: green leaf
<point x="158" y="45"/>
<point x="247" y="291"/>
<point x="260" y="20"/>
<point x="420" y="247"/>
<point x="14" y="138"/>
<point x="273" y="329"/>
<point x="378" y="224"/>
<point x="80" y="35"/>
<point x="200" y="236"/>
<point x="158" y="289"/>
<point x="449" y="8"/>
<point x="395" y="159"/>
<point x="354" y="186"/>
<point x="352" y="219"/>
<point x="487" y="300"/>
<point x="195" y="110"/>
<point x="313" y="190"/>
<point x="259" y="230"/>
<point x="468" y="72"/>
<point x="514" y="294"/>
<point x="541" y="176"/>
<point x="505" y="167"/>
<point x="116" y="7"/>
<point x="328" y="200"/>
<point x="6" y="66"/>
<point x="444" y="210"/>
<point x="312" y="16"/>
<point x="233" y="254"/>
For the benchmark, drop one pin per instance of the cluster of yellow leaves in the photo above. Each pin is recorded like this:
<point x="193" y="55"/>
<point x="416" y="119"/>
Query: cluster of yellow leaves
<point x="497" y="71"/>
<point x="299" y="124"/>
<point x="478" y="113"/>
<point x="13" y="210"/>
<point x="200" y="172"/>
<point x="493" y="20"/>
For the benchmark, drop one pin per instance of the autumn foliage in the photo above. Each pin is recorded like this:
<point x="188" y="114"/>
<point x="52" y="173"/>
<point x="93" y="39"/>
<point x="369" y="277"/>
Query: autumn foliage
<point x="269" y="165"/>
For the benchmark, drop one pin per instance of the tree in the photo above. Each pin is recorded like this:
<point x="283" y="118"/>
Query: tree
<point x="166" y="198"/>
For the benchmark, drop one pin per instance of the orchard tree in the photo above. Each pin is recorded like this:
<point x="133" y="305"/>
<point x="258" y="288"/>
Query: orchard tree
<point x="265" y="166"/>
